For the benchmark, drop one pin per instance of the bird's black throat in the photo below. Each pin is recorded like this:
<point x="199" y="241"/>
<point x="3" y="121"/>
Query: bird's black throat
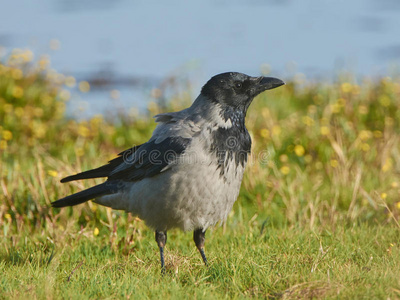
<point x="231" y="143"/>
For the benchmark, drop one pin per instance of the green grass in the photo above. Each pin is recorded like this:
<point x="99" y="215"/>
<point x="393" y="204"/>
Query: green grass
<point x="317" y="215"/>
<point x="358" y="262"/>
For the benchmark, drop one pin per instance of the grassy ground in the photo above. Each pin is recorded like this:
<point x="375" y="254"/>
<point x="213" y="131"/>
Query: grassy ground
<point x="358" y="262"/>
<point x="317" y="216"/>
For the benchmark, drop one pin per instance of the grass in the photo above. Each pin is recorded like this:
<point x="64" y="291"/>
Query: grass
<point x="317" y="215"/>
<point x="358" y="262"/>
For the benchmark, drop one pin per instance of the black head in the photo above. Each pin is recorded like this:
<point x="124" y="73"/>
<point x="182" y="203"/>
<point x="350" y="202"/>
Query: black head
<point x="237" y="90"/>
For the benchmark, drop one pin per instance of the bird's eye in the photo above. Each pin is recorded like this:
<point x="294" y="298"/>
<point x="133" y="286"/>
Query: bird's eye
<point x="238" y="85"/>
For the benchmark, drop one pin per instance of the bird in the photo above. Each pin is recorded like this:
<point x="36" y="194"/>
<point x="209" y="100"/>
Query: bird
<point x="188" y="174"/>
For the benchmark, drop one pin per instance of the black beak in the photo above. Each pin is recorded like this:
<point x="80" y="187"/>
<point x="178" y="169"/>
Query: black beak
<point x="266" y="83"/>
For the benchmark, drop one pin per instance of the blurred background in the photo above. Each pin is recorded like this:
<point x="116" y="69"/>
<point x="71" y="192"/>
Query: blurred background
<point x="127" y="53"/>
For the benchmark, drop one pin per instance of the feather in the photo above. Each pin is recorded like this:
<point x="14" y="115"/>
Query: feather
<point x="105" y="188"/>
<point x="103" y="171"/>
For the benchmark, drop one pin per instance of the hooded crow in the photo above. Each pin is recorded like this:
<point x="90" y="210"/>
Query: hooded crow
<point x="189" y="173"/>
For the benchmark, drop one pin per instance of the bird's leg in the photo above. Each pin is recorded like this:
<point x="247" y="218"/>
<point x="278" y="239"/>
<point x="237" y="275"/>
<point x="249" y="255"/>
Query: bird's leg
<point x="199" y="236"/>
<point x="161" y="239"/>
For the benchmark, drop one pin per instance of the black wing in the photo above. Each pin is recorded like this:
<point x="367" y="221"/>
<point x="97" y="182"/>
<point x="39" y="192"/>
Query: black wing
<point x="103" y="171"/>
<point x="138" y="162"/>
<point x="150" y="159"/>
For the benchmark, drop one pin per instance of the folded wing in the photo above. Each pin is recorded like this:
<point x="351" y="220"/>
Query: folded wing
<point x="168" y="143"/>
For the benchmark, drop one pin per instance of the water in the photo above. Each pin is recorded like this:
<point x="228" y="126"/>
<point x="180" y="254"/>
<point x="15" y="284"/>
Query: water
<point x="139" y="43"/>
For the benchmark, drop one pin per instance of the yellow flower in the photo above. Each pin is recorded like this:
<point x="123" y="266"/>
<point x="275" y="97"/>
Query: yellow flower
<point x="84" y="86"/>
<point x="383" y="196"/>
<point x="96" y="231"/>
<point x="7" y="135"/>
<point x="264" y="133"/>
<point x="365" y="147"/>
<point x="334" y="163"/>
<point x="365" y="135"/>
<point x="285" y="170"/>
<point x="52" y="173"/>
<point x="83" y="130"/>
<point x="17" y="92"/>
<point x="38" y="129"/>
<point x="346" y="87"/>
<point x="395" y="184"/>
<point x="7" y="216"/>
<point x="324" y="130"/>
<point x="398" y="205"/>
<point x="299" y="150"/>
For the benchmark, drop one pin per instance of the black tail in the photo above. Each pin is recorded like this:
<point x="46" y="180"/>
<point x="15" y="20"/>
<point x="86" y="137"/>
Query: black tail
<point x="103" y="171"/>
<point x="105" y="188"/>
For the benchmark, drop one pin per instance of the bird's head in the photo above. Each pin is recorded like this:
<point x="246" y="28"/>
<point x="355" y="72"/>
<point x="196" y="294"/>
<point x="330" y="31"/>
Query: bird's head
<point x="237" y="90"/>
